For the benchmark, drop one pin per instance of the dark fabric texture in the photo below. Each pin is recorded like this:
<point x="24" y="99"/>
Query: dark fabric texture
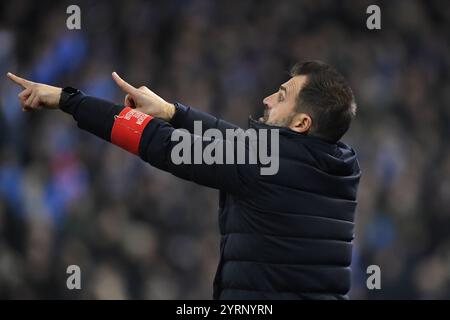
<point x="92" y="114"/>
<point x="283" y="236"/>
<point x="287" y="236"/>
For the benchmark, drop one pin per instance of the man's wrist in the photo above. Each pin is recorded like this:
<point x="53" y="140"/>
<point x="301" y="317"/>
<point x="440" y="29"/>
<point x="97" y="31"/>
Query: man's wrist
<point x="66" y="94"/>
<point x="67" y="101"/>
<point x="170" y="110"/>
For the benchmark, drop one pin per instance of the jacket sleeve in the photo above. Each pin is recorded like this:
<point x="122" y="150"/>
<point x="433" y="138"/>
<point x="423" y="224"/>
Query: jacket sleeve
<point x="157" y="148"/>
<point x="97" y="116"/>
<point x="185" y="116"/>
<point x="91" y="114"/>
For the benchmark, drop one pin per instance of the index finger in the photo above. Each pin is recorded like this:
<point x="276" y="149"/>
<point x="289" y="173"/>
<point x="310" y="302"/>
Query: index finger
<point x="125" y="86"/>
<point x="18" y="80"/>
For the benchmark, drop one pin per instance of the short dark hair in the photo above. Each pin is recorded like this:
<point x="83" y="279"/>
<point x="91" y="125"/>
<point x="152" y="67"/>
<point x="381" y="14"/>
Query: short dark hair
<point x="327" y="98"/>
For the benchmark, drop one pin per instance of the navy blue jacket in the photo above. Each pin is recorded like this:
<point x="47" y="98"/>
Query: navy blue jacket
<point x="283" y="236"/>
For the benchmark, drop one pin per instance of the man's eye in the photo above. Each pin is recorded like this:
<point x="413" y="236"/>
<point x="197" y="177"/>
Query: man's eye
<point x="280" y="97"/>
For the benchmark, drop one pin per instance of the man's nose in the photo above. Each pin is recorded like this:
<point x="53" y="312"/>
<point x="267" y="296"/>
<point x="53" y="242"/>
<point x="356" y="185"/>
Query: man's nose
<point x="266" y="101"/>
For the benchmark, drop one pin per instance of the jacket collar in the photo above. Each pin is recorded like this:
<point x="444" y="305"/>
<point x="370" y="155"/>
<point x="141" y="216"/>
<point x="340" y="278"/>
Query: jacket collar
<point x="252" y="123"/>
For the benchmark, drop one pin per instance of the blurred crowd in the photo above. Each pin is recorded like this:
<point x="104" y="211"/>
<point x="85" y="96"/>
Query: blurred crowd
<point x="67" y="197"/>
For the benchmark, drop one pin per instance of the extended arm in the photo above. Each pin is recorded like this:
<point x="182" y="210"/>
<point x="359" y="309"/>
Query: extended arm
<point x="185" y="116"/>
<point x="146" y="136"/>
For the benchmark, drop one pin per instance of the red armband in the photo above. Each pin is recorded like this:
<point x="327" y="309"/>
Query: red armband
<point x="128" y="128"/>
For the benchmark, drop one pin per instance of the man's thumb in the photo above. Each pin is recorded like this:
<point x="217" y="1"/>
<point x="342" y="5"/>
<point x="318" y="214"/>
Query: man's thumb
<point x="125" y="86"/>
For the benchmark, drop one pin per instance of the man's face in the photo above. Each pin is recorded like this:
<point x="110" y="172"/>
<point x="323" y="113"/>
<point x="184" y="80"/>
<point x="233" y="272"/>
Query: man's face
<point x="280" y="106"/>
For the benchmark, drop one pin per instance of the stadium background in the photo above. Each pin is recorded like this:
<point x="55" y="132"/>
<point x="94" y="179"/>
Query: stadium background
<point x="68" y="198"/>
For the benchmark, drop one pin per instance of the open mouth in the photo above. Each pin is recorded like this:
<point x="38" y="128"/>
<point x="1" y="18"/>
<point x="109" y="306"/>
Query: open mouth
<point x="265" y="117"/>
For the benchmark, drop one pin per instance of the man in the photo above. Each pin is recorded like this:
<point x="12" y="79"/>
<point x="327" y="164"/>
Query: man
<point x="283" y="236"/>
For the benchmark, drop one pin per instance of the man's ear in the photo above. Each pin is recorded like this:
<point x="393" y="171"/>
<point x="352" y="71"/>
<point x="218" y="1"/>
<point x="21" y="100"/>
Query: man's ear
<point x="302" y="122"/>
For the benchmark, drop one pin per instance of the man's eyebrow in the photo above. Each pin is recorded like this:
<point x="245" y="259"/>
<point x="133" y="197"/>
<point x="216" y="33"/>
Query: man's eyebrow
<point x="283" y="88"/>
